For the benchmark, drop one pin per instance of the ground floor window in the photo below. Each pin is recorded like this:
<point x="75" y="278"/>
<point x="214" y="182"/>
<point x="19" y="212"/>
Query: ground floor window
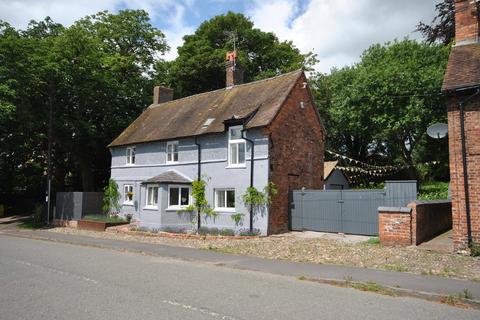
<point x="225" y="198"/>
<point x="178" y="196"/>
<point x="128" y="194"/>
<point x="152" y="196"/>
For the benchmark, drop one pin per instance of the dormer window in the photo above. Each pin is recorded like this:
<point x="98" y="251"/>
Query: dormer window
<point x="172" y="151"/>
<point x="131" y="155"/>
<point x="236" y="147"/>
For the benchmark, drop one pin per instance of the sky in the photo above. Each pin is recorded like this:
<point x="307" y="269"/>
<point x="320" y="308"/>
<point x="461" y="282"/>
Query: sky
<point x="338" y="31"/>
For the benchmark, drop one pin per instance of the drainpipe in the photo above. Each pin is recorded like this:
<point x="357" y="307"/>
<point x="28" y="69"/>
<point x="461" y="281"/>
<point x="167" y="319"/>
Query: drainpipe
<point x="461" y="105"/>
<point x="199" y="176"/>
<point x="252" y="154"/>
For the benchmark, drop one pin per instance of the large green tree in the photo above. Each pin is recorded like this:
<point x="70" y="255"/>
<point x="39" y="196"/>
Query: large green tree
<point x="379" y="109"/>
<point x="200" y="65"/>
<point x="96" y="77"/>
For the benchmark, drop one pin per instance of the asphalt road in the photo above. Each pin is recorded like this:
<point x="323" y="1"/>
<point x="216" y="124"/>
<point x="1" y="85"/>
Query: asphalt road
<point x="47" y="280"/>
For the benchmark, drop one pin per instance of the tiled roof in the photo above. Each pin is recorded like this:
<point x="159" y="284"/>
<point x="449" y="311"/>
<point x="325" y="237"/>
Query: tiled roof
<point x="463" y="69"/>
<point x="206" y="112"/>
<point x="168" y="177"/>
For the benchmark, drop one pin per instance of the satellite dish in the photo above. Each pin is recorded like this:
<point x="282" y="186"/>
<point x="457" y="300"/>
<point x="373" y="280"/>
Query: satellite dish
<point x="437" y="130"/>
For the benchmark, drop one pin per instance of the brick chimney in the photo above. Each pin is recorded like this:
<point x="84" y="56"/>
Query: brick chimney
<point x="466" y="21"/>
<point x="234" y="72"/>
<point x="162" y="94"/>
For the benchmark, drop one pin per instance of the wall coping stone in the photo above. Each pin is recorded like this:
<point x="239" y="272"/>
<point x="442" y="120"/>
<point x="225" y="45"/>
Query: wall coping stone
<point x="420" y="202"/>
<point x="394" y="209"/>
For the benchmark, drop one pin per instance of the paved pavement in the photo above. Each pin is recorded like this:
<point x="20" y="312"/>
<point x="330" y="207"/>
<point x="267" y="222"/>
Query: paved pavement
<point x="411" y="282"/>
<point x="52" y="280"/>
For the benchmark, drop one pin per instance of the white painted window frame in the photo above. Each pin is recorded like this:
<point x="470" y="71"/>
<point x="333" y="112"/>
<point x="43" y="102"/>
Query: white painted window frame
<point x="147" y="196"/>
<point x="236" y="142"/>
<point x="126" y="189"/>
<point x="225" y="209"/>
<point x="130" y="155"/>
<point x="167" y="151"/>
<point x="179" y="186"/>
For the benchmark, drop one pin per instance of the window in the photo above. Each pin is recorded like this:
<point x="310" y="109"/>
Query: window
<point x="128" y="194"/>
<point x="152" y="196"/>
<point x="172" y="151"/>
<point x="236" y="147"/>
<point x="131" y="155"/>
<point x="225" y="198"/>
<point x="178" y="196"/>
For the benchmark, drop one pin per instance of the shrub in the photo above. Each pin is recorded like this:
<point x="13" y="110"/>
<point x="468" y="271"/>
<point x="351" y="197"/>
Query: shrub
<point x="475" y="250"/>
<point x="227" y="232"/>
<point x="208" y="231"/>
<point x="173" y="229"/>
<point x="246" y="232"/>
<point x="433" y="190"/>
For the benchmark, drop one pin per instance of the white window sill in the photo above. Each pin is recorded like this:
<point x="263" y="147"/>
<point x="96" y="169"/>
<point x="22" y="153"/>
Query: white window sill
<point x="176" y="208"/>
<point x="150" y="208"/>
<point x="224" y="210"/>
<point x="128" y="203"/>
<point x="236" y="166"/>
<point x="172" y="162"/>
<point x="130" y="164"/>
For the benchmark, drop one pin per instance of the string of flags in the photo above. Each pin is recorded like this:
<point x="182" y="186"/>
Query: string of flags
<point x="358" y="171"/>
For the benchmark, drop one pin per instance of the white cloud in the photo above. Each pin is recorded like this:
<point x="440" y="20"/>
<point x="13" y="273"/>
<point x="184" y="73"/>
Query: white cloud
<point x="340" y="30"/>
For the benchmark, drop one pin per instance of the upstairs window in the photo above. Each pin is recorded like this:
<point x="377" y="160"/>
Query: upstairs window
<point x="128" y="194"/>
<point x="178" y="196"/>
<point x="172" y="151"/>
<point x="236" y="147"/>
<point x="131" y="155"/>
<point x="225" y="199"/>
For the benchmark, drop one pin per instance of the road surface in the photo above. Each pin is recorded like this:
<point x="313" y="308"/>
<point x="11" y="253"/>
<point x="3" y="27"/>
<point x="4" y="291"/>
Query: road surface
<point x="48" y="280"/>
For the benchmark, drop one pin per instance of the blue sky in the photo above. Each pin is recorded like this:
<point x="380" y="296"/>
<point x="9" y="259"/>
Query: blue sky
<point x="338" y="31"/>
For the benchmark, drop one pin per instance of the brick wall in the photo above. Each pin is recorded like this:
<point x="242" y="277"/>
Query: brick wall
<point x="466" y="21"/>
<point x="418" y="222"/>
<point x="395" y="226"/>
<point x="429" y="219"/>
<point x="297" y="146"/>
<point x="472" y="134"/>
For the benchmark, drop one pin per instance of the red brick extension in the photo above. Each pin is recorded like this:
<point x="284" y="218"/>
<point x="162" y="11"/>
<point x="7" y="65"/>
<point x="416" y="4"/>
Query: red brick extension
<point x="461" y="80"/>
<point x="297" y="146"/>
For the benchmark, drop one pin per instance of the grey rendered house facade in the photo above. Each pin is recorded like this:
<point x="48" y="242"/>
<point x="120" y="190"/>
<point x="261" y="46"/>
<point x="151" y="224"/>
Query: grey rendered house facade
<point x="214" y="135"/>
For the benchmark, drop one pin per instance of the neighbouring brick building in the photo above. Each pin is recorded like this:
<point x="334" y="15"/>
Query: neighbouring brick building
<point x="462" y="85"/>
<point x="269" y="126"/>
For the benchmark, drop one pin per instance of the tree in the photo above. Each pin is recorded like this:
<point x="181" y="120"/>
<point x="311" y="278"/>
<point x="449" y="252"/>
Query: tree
<point x="96" y="75"/>
<point x="442" y="27"/>
<point x="378" y="110"/>
<point x="200" y="65"/>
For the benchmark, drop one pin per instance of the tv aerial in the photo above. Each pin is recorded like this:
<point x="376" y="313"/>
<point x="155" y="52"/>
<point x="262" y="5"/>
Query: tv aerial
<point x="438" y="130"/>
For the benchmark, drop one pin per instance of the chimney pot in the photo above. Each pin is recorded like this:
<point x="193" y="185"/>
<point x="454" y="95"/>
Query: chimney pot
<point x="234" y="71"/>
<point x="162" y="94"/>
<point x="466" y="21"/>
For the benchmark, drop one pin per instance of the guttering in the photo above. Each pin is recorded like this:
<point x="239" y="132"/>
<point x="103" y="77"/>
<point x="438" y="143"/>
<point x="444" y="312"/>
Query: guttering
<point x="199" y="175"/>
<point x="461" y="105"/>
<point x="252" y="154"/>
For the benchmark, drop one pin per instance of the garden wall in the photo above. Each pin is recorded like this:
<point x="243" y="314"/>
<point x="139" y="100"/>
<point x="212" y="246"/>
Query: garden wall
<point x="75" y="205"/>
<point x="418" y="222"/>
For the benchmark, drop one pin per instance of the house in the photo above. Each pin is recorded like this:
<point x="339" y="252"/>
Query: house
<point x="334" y="178"/>
<point x="461" y="85"/>
<point x="241" y="135"/>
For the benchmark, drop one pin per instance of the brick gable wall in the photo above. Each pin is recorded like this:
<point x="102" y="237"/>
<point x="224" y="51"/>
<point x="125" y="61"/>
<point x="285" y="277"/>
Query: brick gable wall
<point x="472" y="134"/>
<point x="297" y="146"/>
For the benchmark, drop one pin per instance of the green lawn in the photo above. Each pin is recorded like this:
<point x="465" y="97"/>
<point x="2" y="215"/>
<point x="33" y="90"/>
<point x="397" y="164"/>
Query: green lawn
<point x="433" y="190"/>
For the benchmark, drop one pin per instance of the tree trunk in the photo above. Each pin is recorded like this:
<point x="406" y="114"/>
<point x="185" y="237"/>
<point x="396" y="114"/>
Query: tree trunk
<point x="87" y="175"/>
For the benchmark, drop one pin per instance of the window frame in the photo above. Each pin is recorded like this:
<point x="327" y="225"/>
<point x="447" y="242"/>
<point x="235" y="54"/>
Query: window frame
<point x="179" y="187"/>
<point x="216" y="194"/>
<point x="147" y="196"/>
<point x="130" y="156"/>
<point x="125" y="201"/>
<point x="236" y="142"/>
<point x="167" y="151"/>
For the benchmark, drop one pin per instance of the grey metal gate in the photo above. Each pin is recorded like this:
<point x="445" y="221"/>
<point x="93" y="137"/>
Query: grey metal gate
<point x="347" y="211"/>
